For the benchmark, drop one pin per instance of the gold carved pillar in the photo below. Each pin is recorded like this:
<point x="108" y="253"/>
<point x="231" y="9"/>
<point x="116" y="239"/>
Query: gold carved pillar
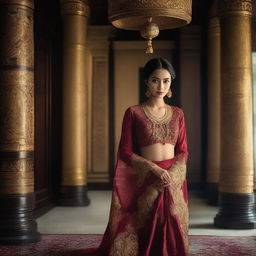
<point x="17" y="199"/>
<point x="74" y="164"/>
<point x="236" y="178"/>
<point x="213" y="90"/>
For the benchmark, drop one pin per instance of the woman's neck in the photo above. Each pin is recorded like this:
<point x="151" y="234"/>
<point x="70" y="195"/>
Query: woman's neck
<point x="156" y="102"/>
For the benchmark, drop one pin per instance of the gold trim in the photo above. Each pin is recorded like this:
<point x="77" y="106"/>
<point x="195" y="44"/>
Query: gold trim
<point x="126" y="243"/>
<point x="179" y="207"/>
<point x="16" y="176"/>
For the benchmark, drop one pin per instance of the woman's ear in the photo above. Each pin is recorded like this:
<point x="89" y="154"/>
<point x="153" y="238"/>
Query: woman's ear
<point x="146" y="82"/>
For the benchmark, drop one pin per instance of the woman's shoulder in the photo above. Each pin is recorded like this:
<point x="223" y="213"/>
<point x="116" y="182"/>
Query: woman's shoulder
<point x="133" y="108"/>
<point x="177" y="110"/>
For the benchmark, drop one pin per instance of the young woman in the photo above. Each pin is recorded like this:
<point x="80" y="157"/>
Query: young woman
<point x="149" y="211"/>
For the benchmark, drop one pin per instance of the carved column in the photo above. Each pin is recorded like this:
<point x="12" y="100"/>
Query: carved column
<point x="213" y="88"/>
<point x="74" y="165"/>
<point x="236" y="177"/>
<point x="17" y="199"/>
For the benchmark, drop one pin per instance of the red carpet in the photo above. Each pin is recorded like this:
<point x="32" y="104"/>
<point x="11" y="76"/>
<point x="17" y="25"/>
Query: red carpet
<point x="61" y="245"/>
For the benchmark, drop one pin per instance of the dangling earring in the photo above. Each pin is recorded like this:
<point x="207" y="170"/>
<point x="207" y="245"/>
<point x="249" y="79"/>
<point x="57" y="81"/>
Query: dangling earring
<point x="148" y="93"/>
<point x="169" y="94"/>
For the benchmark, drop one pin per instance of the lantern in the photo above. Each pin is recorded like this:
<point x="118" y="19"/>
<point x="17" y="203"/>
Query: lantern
<point x="149" y="16"/>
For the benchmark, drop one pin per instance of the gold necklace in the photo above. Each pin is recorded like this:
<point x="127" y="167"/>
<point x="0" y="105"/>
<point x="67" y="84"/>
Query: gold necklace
<point x="154" y="118"/>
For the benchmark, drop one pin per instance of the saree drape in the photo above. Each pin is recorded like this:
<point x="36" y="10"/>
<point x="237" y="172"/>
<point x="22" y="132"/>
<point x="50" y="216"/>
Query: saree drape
<point x="146" y="218"/>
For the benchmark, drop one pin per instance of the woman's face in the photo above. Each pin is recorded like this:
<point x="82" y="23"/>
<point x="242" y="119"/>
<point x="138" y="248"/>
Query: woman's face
<point x="159" y="83"/>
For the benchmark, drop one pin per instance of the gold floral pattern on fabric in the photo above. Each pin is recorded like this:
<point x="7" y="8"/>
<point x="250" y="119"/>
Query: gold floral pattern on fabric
<point x="142" y="167"/>
<point x="114" y="215"/>
<point x="178" y="174"/>
<point x="146" y="203"/>
<point x="161" y="129"/>
<point x="126" y="243"/>
<point x="179" y="207"/>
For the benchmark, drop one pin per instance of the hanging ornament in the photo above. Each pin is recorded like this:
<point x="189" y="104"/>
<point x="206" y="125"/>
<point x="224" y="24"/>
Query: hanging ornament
<point x="149" y="16"/>
<point x="149" y="31"/>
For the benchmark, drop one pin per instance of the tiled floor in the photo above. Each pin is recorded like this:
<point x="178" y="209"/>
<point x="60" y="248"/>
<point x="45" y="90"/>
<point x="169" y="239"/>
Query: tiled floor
<point x="93" y="219"/>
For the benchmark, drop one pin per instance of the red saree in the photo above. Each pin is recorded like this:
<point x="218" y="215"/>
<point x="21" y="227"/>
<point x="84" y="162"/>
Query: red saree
<point x="147" y="219"/>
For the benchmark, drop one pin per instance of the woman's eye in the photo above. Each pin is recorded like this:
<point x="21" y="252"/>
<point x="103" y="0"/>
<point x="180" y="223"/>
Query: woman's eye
<point x="154" y="81"/>
<point x="166" y="81"/>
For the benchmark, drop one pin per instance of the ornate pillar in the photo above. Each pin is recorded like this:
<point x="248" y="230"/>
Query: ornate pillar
<point x="236" y="177"/>
<point x="17" y="199"/>
<point x="213" y="89"/>
<point x="74" y="164"/>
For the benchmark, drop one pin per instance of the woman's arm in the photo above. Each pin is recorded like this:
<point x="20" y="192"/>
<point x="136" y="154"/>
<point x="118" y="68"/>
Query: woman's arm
<point x="180" y="150"/>
<point x="178" y="170"/>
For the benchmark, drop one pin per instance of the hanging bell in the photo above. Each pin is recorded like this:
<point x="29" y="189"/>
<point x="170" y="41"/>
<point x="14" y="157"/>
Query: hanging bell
<point x="149" y="16"/>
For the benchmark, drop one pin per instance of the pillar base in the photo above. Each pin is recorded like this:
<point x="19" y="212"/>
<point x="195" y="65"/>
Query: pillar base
<point x="73" y="196"/>
<point x="237" y="211"/>
<point x="17" y="223"/>
<point x="212" y="193"/>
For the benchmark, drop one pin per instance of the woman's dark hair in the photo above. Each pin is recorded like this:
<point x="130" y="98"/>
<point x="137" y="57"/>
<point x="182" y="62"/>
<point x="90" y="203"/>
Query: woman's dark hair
<point x="157" y="63"/>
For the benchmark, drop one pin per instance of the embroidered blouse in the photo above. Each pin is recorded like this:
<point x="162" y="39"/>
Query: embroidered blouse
<point x="140" y="129"/>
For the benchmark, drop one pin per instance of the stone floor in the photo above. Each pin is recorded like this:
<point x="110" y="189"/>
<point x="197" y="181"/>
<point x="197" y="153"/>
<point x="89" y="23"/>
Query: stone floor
<point x="93" y="219"/>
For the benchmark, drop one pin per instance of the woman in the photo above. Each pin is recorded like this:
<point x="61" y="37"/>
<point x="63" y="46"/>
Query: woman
<point x="149" y="213"/>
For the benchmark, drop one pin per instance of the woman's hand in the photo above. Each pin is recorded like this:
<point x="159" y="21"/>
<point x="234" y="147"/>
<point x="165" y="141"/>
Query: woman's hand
<point x="163" y="175"/>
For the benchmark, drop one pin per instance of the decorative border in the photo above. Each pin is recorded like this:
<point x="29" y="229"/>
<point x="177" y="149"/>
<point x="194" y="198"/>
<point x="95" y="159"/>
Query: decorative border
<point x="75" y="7"/>
<point x="235" y="7"/>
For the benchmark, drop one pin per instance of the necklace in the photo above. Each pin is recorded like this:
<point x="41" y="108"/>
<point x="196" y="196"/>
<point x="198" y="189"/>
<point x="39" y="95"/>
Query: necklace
<point x="156" y="119"/>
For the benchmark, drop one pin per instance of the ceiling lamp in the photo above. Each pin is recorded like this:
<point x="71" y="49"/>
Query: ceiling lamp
<point x="149" y="16"/>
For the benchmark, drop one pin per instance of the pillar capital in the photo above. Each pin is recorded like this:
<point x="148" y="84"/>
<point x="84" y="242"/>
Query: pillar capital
<point x="235" y="7"/>
<point x="75" y="7"/>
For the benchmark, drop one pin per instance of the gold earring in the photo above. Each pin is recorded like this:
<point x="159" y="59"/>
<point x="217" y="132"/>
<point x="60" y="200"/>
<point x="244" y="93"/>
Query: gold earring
<point x="148" y="93"/>
<point x="169" y="94"/>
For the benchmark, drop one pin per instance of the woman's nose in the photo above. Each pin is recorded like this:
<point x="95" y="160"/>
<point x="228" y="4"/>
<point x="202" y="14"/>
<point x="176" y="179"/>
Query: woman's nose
<point x="160" y="84"/>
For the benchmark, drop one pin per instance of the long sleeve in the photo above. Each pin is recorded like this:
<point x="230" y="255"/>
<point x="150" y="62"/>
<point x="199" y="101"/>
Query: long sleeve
<point x="126" y="145"/>
<point x="179" y="168"/>
<point x="180" y="150"/>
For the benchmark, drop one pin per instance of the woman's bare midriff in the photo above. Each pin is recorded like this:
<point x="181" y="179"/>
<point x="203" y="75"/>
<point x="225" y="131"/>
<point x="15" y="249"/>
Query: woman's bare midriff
<point x="158" y="152"/>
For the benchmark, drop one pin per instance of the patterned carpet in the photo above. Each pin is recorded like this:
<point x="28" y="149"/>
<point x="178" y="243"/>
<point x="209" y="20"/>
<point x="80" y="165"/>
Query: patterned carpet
<point x="61" y="245"/>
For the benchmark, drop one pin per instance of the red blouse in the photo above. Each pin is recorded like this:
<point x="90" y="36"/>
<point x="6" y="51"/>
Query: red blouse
<point x="140" y="129"/>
